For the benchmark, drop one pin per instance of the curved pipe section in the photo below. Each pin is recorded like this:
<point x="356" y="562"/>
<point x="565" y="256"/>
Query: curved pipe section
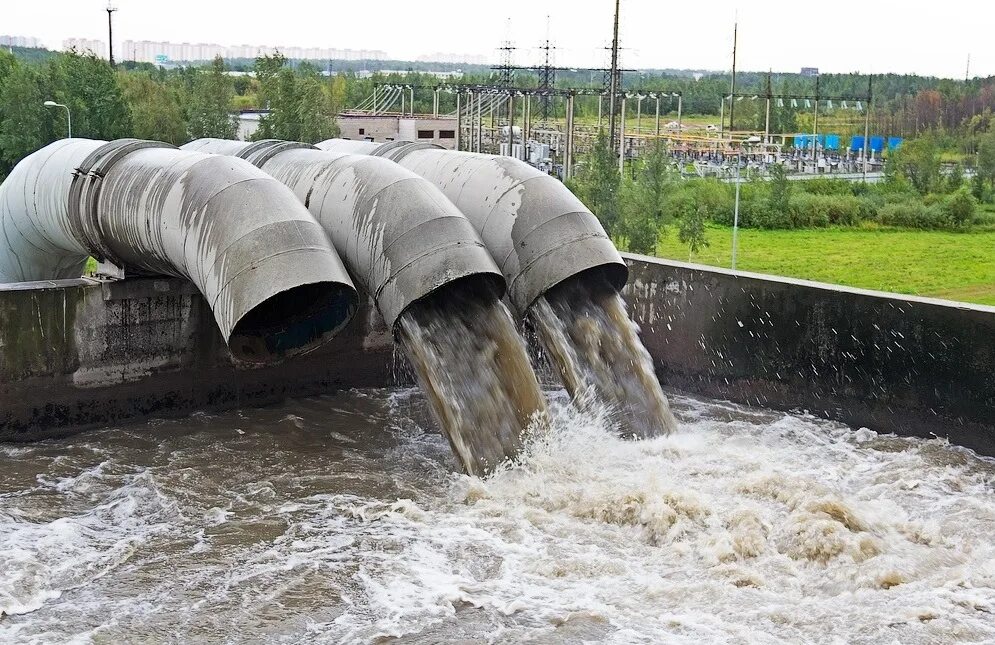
<point x="264" y="265"/>
<point x="538" y="232"/>
<point x="399" y="236"/>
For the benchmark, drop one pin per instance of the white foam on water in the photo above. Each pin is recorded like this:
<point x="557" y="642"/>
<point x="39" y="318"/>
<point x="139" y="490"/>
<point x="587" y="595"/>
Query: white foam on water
<point x="40" y="559"/>
<point x="726" y="531"/>
<point x="742" y="526"/>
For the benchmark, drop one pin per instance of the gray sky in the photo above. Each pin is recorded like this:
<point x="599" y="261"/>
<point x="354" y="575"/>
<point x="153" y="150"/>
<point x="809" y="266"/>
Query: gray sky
<point x="838" y="36"/>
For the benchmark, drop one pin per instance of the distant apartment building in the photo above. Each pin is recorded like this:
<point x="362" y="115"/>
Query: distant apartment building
<point x="20" y="41"/>
<point x="453" y="59"/>
<point x="85" y="46"/>
<point x="147" y="51"/>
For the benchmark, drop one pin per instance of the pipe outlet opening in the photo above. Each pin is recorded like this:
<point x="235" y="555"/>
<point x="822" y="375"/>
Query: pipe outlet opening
<point x="292" y="322"/>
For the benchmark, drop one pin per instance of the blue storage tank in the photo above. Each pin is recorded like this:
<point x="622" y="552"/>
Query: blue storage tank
<point x="877" y="144"/>
<point x="894" y="142"/>
<point x="857" y="143"/>
<point x="832" y="142"/>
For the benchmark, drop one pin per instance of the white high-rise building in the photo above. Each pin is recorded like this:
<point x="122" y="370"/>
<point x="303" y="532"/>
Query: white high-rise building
<point x="20" y="41"/>
<point x="85" y="46"/>
<point x="146" y="51"/>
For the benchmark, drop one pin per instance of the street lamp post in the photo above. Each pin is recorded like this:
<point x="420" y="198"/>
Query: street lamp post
<point x="735" y="217"/>
<point x="69" y="115"/>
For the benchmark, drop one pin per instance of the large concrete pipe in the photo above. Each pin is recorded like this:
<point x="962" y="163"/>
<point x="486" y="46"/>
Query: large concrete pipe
<point x="538" y="232"/>
<point x="399" y="236"/>
<point x="265" y="266"/>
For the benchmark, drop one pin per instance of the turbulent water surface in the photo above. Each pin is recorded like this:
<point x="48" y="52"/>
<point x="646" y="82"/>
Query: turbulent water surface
<point x="340" y="519"/>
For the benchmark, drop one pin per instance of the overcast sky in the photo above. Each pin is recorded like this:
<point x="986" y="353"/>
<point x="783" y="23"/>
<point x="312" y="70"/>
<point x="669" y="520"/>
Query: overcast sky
<point x="835" y="36"/>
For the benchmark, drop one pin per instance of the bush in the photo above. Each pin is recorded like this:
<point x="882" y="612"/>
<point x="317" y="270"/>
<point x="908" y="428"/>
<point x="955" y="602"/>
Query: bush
<point x="828" y="186"/>
<point x="960" y="207"/>
<point x="914" y="215"/>
<point x="714" y="196"/>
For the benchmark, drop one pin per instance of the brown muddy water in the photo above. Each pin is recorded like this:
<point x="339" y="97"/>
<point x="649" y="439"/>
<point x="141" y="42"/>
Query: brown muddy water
<point x="595" y="349"/>
<point x="473" y="366"/>
<point x="343" y="519"/>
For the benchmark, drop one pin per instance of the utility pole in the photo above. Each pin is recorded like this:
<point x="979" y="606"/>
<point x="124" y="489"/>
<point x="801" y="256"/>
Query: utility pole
<point x="735" y="216"/>
<point x="657" y="116"/>
<point x="767" y="117"/>
<point x="110" y="32"/>
<point x="867" y="123"/>
<point x="732" y="92"/>
<point x="621" y="142"/>
<point x="815" y="129"/>
<point x="613" y="83"/>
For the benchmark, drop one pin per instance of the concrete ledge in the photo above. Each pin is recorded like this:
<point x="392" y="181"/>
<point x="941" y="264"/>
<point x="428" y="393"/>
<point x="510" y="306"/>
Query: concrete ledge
<point x="82" y="353"/>
<point x="893" y="363"/>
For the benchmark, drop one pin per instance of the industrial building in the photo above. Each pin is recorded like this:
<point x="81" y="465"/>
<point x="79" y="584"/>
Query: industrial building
<point x="440" y="130"/>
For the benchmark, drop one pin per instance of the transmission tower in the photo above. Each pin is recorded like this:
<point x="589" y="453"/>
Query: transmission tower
<point x="547" y="78"/>
<point x="506" y="70"/>
<point x="614" y="84"/>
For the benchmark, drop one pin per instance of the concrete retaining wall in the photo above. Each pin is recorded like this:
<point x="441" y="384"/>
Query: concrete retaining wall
<point x="81" y="353"/>
<point x="913" y="366"/>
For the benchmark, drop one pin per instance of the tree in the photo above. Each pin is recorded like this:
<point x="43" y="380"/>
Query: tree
<point x="155" y="109"/>
<point x="918" y="161"/>
<point x="644" y="213"/>
<point x="210" y="104"/>
<point x="276" y="94"/>
<point x="312" y="110"/>
<point x="692" y="230"/>
<point x="986" y="158"/>
<point x="598" y="184"/>
<point x="23" y="118"/>
<point x="89" y="86"/>
<point x="956" y="178"/>
<point x="780" y="189"/>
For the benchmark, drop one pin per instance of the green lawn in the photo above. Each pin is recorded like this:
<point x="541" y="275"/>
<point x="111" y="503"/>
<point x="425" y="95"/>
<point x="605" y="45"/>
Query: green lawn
<point x="956" y="266"/>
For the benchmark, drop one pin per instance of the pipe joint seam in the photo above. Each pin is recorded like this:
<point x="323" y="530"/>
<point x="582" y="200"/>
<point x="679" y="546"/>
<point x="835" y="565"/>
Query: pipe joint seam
<point x="84" y="192"/>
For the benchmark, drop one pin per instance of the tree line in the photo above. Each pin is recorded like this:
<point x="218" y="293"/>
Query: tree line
<point x="149" y="102"/>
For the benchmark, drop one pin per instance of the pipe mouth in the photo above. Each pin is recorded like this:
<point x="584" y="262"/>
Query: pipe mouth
<point x="479" y="285"/>
<point x="605" y="278"/>
<point x="292" y="322"/>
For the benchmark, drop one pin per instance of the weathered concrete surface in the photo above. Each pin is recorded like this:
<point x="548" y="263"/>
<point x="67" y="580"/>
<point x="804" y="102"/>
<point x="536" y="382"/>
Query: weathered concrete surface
<point x="913" y="366"/>
<point x="81" y="353"/>
<point x="78" y="353"/>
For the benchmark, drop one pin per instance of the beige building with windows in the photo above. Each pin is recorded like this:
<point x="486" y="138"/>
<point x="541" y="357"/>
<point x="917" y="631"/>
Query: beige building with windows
<point x="393" y="127"/>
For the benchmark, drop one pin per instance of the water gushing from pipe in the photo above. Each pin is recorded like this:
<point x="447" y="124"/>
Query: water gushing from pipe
<point x="596" y="349"/>
<point x="474" y="369"/>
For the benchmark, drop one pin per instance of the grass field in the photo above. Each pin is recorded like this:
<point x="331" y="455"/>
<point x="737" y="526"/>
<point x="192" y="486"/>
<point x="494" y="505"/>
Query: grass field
<point x="956" y="266"/>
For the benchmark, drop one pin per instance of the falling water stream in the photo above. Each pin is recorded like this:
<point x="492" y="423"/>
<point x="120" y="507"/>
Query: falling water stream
<point x="584" y="326"/>
<point x="474" y="368"/>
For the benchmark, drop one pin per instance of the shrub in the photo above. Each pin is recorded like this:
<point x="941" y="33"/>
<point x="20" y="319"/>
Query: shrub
<point x="828" y="186"/>
<point x="960" y="207"/>
<point x="714" y="196"/>
<point x="913" y="215"/>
